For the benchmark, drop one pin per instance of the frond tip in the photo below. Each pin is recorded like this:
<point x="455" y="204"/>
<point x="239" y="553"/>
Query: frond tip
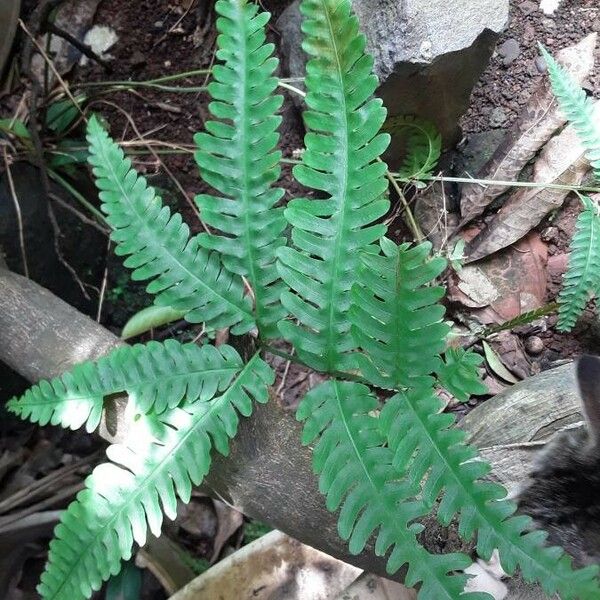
<point x="163" y="456"/>
<point x="183" y="275"/>
<point x="237" y="157"/>
<point x="578" y="108"/>
<point x="342" y="148"/>
<point x="155" y="376"/>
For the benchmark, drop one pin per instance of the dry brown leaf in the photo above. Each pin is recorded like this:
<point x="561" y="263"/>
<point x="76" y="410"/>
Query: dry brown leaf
<point x="505" y="285"/>
<point x="540" y="118"/>
<point x="229" y="521"/>
<point x="561" y="162"/>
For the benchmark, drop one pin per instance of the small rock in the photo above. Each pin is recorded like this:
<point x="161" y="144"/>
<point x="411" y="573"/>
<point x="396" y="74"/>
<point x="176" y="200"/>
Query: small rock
<point x="498" y="117"/>
<point x="528" y="7"/>
<point x="596" y="25"/>
<point x="529" y="33"/>
<point x="158" y="24"/>
<point x="534" y="345"/>
<point x="540" y="64"/>
<point x="509" y="51"/>
<point x="548" y="23"/>
<point x="137" y="59"/>
<point x="550" y="234"/>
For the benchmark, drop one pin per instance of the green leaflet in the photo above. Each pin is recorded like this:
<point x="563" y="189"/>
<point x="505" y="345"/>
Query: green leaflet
<point x="578" y="108"/>
<point x="164" y="455"/>
<point x="342" y="146"/>
<point x="184" y="276"/>
<point x="149" y="318"/>
<point x="427" y="448"/>
<point x="423" y="146"/>
<point x="582" y="278"/>
<point x="155" y="376"/>
<point x="357" y="476"/>
<point x="237" y="157"/>
<point x="457" y="372"/>
<point x="395" y="315"/>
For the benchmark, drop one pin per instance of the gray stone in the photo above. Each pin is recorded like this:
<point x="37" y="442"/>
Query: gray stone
<point x="540" y="64"/>
<point x="509" y="51"/>
<point x="498" y="117"/>
<point x="428" y="55"/>
<point x="528" y="7"/>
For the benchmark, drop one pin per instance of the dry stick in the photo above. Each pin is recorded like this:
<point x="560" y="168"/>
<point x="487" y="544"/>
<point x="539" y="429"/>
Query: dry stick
<point x="13" y="193"/>
<point x="57" y="235"/>
<point x="79" y="214"/>
<point x="103" y="285"/>
<point x="64" y="494"/>
<point x="83" y="48"/>
<point x="52" y="67"/>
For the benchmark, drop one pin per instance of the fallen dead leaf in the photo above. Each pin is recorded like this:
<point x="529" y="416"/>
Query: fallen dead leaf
<point x="561" y="162"/>
<point x="515" y="282"/>
<point x="539" y="120"/>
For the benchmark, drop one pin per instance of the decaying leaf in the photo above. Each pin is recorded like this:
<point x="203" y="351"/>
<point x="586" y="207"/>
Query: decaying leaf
<point x="496" y="365"/>
<point x="539" y="120"/>
<point x="561" y="162"/>
<point x="505" y="285"/>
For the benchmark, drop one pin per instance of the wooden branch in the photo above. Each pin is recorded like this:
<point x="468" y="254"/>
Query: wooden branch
<point x="268" y="474"/>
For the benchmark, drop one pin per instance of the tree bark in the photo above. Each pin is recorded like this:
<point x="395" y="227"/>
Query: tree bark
<point x="268" y="474"/>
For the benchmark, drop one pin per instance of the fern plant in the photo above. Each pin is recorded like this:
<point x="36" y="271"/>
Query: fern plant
<point x="582" y="279"/>
<point x="354" y="305"/>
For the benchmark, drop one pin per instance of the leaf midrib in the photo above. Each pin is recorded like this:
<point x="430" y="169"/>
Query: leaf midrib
<point x="165" y="248"/>
<point x="215" y="403"/>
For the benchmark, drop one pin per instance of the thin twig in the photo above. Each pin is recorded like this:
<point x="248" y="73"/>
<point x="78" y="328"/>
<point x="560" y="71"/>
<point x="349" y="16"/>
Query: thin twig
<point x="52" y="67"/>
<point x="103" y="286"/>
<point x="407" y="214"/>
<point x="79" y="214"/>
<point x="59" y="254"/>
<point x="13" y="193"/>
<point x="285" y="374"/>
<point x="83" y="48"/>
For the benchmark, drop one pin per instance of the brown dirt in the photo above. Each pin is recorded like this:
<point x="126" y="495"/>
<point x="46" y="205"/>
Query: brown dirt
<point x="509" y="86"/>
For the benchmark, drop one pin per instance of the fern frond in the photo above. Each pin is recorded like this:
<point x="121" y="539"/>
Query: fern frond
<point x="155" y="376"/>
<point x="395" y="315"/>
<point x="184" y="275"/>
<point x="342" y="146"/>
<point x="428" y="449"/>
<point x="357" y="477"/>
<point x="163" y="456"/>
<point x="423" y="146"/>
<point x="237" y="157"/>
<point x="577" y="107"/>
<point x="582" y="278"/>
<point x="457" y="372"/>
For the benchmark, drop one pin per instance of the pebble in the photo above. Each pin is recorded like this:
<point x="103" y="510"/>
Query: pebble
<point x="540" y="64"/>
<point x="498" y="117"/>
<point x="550" y="234"/>
<point x="529" y="33"/>
<point x="158" y="24"/>
<point x="548" y="23"/>
<point x="528" y="7"/>
<point x="137" y="59"/>
<point x="534" y="345"/>
<point x="596" y="25"/>
<point x="509" y="51"/>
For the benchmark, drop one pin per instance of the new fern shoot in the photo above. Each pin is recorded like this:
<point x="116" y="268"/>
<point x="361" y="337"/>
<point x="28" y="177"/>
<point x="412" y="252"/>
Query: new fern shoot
<point x="322" y="275"/>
